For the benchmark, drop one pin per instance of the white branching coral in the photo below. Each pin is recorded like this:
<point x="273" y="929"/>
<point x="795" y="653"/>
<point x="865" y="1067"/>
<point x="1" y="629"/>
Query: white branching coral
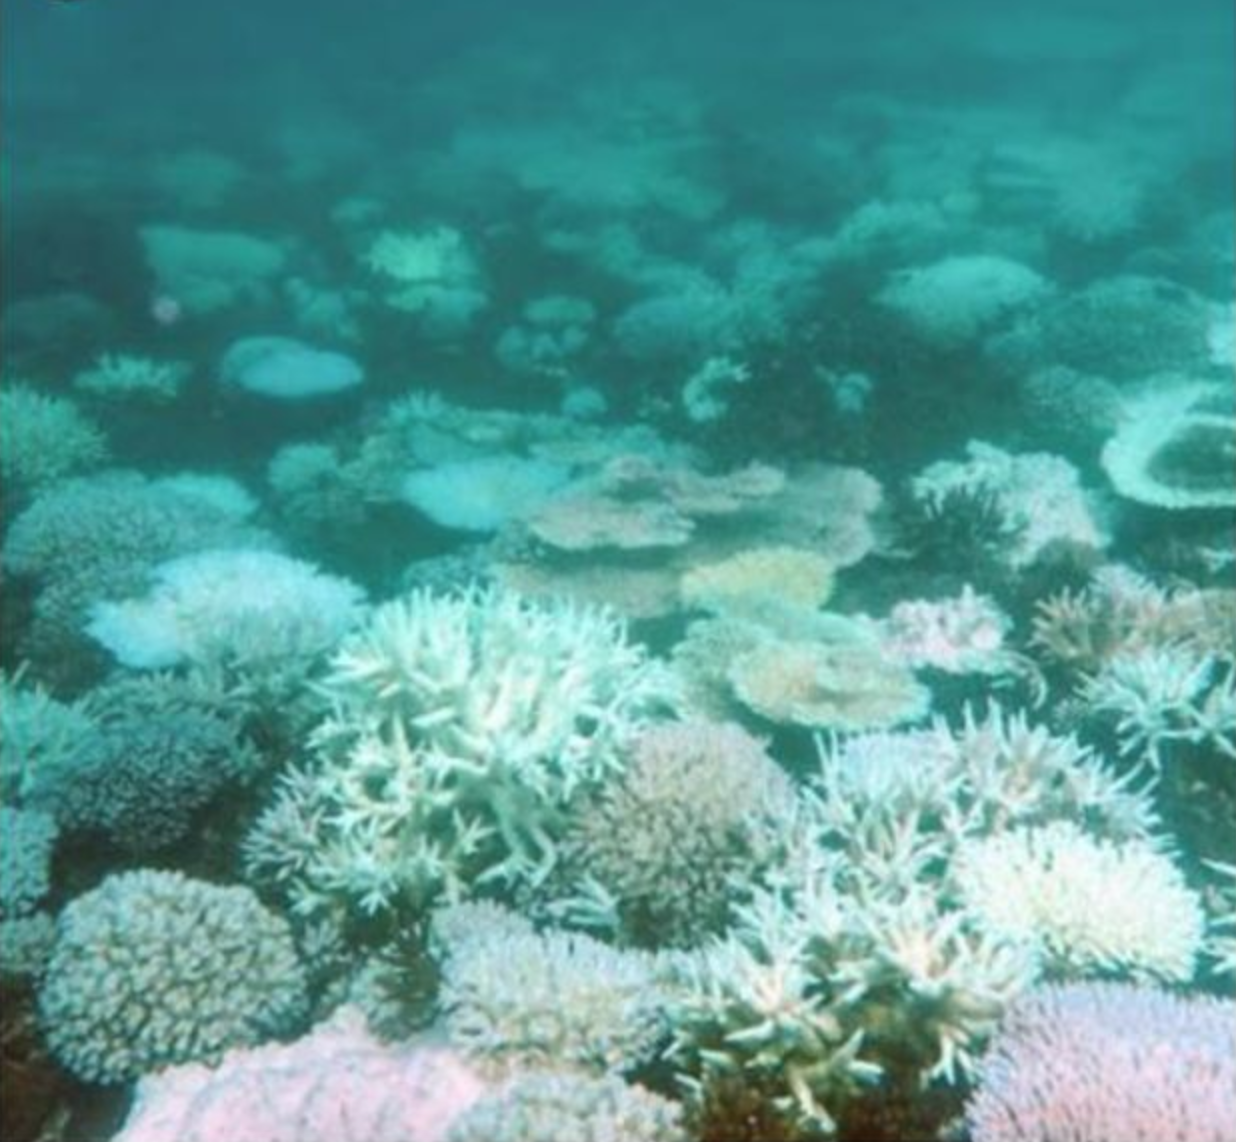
<point x="459" y="728"/>
<point x="123" y="376"/>
<point x="1092" y="906"/>
<point x="1158" y="696"/>
<point x="861" y="959"/>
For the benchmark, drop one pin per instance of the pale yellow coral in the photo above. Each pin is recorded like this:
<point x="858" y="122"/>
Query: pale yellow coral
<point x="786" y="574"/>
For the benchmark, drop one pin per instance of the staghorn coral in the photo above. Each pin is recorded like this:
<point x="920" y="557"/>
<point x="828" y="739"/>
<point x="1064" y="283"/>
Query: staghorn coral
<point x="1094" y="1062"/>
<point x="1120" y="612"/>
<point x="1157" y="696"/>
<point x="459" y="729"/>
<point x="153" y="968"/>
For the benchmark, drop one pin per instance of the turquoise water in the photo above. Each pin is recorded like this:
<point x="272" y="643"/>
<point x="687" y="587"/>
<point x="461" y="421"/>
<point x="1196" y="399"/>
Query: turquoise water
<point x="621" y="572"/>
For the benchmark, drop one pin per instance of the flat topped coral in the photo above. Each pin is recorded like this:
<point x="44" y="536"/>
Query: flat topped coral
<point x="641" y="502"/>
<point x="845" y="686"/>
<point x="793" y="575"/>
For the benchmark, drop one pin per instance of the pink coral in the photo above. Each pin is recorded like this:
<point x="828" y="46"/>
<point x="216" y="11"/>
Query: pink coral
<point x="1103" y="1061"/>
<point x="337" y="1083"/>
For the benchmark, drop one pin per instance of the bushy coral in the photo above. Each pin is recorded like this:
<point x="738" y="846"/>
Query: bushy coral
<point x="236" y="605"/>
<point x="1040" y="495"/>
<point x="160" y="750"/>
<point x="43" y="439"/>
<point x="153" y="968"/>
<point x="37" y="732"/>
<point x="431" y="273"/>
<point x="338" y="1083"/>
<point x="460" y="727"/>
<point x="1094" y="1062"/>
<point x="122" y="376"/>
<point x="25" y="859"/>
<point x="699" y="812"/>
<point x="1092" y="906"/>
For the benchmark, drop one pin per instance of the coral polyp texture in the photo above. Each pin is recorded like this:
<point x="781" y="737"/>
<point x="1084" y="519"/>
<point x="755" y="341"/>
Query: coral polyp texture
<point x="337" y="1082"/>
<point x="153" y="968"/>
<point x="1093" y="1062"/>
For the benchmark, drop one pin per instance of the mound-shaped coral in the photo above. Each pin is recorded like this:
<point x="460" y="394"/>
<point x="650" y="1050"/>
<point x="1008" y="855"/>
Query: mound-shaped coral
<point x="700" y="809"/>
<point x="153" y="968"/>
<point x="1091" y="905"/>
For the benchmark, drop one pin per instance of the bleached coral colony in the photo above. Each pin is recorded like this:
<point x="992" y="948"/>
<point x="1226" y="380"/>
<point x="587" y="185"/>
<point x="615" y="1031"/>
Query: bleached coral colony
<point x="565" y="588"/>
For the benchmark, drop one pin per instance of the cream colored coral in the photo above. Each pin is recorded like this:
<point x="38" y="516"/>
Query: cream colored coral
<point x="786" y="574"/>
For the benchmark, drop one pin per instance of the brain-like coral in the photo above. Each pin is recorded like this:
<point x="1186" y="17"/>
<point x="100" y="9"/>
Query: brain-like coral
<point x="153" y="968"/>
